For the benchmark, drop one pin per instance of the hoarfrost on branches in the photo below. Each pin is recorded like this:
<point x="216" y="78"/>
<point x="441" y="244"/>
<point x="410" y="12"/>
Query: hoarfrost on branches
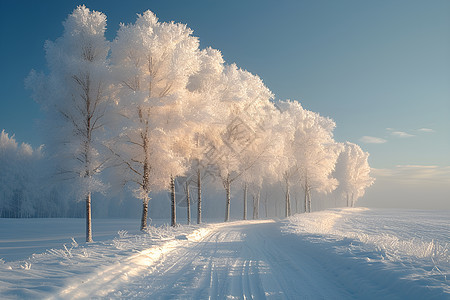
<point x="75" y="96"/>
<point x="159" y="110"/>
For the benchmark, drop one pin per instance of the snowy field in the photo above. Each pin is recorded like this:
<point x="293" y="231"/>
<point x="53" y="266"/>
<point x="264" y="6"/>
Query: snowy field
<point x="404" y="249"/>
<point x="20" y="238"/>
<point x="334" y="254"/>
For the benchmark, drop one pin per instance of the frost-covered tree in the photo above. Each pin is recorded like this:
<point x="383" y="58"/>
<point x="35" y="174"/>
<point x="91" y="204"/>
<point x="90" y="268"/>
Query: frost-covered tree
<point x="244" y="95"/>
<point x="74" y="94"/>
<point x="25" y="194"/>
<point x="204" y="111"/>
<point x="316" y="154"/>
<point x="287" y="166"/>
<point x="19" y="186"/>
<point x="260" y="157"/>
<point x="152" y="62"/>
<point x="353" y="173"/>
<point x="252" y="177"/>
<point x="179" y="114"/>
<point x="309" y="153"/>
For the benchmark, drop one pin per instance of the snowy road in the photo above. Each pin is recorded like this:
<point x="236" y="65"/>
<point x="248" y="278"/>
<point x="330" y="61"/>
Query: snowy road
<point x="334" y="254"/>
<point x="243" y="260"/>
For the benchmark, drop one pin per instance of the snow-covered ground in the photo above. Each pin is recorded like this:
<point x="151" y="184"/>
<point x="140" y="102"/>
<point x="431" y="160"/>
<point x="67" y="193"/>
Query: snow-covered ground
<point x="407" y="250"/>
<point x="76" y="269"/>
<point x="335" y="254"/>
<point x="20" y="238"/>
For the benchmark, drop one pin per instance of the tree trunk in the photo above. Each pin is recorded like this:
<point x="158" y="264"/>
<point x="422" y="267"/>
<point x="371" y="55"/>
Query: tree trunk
<point x="144" y="213"/>
<point x="88" y="218"/>
<point x="348" y="203"/>
<point x="256" y="206"/>
<point x="288" y="204"/>
<point x="276" y="209"/>
<point x="228" y="191"/>
<point x="265" y="205"/>
<point x="188" y="204"/>
<point x="145" y="177"/>
<point x="199" y="197"/>
<point x="173" y="213"/>
<point x="245" y="201"/>
<point x="309" y="200"/>
<point x="296" y="203"/>
<point x="353" y="201"/>
<point x="306" y="201"/>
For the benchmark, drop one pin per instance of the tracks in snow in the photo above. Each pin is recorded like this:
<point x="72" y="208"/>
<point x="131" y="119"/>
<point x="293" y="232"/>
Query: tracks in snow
<point x="239" y="260"/>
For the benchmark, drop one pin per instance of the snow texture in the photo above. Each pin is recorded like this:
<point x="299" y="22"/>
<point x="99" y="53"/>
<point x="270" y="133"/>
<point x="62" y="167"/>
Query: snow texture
<point x="352" y="253"/>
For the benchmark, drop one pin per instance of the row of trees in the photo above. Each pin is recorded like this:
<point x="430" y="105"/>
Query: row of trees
<point x="24" y="188"/>
<point x="16" y="162"/>
<point x="156" y="109"/>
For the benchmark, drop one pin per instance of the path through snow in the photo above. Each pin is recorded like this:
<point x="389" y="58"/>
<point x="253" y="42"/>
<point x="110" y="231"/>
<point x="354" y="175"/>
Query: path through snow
<point x="334" y="254"/>
<point x="251" y="260"/>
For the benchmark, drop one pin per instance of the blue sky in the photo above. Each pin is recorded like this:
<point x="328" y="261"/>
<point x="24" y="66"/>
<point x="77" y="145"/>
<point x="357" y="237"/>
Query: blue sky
<point x="380" y="69"/>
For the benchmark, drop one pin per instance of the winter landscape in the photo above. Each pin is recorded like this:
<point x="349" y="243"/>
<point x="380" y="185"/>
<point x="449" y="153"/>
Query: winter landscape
<point x="349" y="253"/>
<point x="156" y="167"/>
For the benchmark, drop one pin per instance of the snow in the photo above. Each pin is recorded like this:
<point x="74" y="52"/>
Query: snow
<point x="407" y="248"/>
<point x="78" y="270"/>
<point x="335" y="254"/>
<point x="20" y="238"/>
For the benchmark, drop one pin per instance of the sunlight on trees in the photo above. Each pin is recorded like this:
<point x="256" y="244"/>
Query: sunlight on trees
<point x="161" y="114"/>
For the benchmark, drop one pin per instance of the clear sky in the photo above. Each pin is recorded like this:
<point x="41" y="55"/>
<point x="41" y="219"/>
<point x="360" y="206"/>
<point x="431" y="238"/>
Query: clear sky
<point x="380" y="69"/>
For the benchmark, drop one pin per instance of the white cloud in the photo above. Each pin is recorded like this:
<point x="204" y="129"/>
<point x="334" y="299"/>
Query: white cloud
<point x="372" y="140"/>
<point x="414" y="174"/>
<point x="401" y="134"/>
<point x="425" y="130"/>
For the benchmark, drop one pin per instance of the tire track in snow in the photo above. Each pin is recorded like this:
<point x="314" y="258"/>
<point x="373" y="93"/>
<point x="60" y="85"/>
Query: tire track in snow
<point x="210" y="268"/>
<point x="239" y="260"/>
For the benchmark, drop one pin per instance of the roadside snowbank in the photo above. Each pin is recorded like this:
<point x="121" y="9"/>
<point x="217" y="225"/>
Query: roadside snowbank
<point x="77" y="270"/>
